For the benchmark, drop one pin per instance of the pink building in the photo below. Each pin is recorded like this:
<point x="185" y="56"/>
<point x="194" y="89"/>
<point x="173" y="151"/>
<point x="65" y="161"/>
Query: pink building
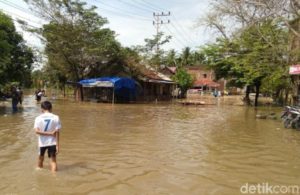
<point x="204" y="77"/>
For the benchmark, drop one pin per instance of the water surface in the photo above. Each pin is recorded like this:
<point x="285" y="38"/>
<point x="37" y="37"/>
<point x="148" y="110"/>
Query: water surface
<point x="148" y="149"/>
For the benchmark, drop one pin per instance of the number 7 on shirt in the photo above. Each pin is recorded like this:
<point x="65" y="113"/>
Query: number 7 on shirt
<point x="47" y="121"/>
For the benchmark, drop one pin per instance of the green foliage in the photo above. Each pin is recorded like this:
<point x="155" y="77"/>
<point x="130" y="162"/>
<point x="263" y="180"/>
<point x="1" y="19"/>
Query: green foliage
<point x="131" y="59"/>
<point x="157" y="41"/>
<point x="154" y="57"/>
<point x="197" y="58"/>
<point x="256" y="57"/>
<point x="152" y="52"/>
<point x="7" y="87"/>
<point x="262" y="49"/>
<point x="276" y="81"/>
<point x="77" y="44"/>
<point x="185" y="56"/>
<point x="219" y="57"/>
<point x="170" y="58"/>
<point x="184" y="80"/>
<point x="16" y="58"/>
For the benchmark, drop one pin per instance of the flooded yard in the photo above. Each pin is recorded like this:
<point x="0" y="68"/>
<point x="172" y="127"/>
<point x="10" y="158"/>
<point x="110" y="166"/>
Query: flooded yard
<point x="148" y="149"/>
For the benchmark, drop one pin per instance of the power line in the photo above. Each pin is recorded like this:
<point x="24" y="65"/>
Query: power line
<point x="179" y="33"/>
<point x="134" y="5"/>
<point x="154" y="7"/>
<point x="143" y="3"/>
<point x="123" y="11"/>
<point x="150" y="7"/>
<point x="158" y="23"/>
<point x="157" y="16"/>
<point x="14" y="6"/>
<point x="117" y="13"/>
<point x="21" y="18"/>
<point x="175" y="37"/>
<point x="20" y="9"/>
<point x="180" y="29"/>
<point x="123" y="14"/>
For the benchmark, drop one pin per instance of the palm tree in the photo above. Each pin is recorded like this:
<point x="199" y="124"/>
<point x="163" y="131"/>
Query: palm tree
<point x="186" y="53"/>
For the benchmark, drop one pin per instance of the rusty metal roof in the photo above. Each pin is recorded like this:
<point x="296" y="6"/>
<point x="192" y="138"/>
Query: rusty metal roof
<point x="151" y="75"/>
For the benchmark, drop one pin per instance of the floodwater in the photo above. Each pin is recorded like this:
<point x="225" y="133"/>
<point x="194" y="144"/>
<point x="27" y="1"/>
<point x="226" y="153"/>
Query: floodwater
<point x="148" y="149"/>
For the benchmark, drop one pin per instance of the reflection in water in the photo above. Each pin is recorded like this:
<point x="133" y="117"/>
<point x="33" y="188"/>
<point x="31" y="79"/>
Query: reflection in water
<point x="145" y="148"/>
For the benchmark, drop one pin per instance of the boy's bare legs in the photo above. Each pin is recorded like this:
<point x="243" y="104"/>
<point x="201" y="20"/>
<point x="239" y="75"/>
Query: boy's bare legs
<point x="40" y="161"/>
<point x="53" y="164"/>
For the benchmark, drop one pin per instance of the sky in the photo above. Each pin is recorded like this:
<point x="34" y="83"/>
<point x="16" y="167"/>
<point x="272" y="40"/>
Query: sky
<point x="132" y="20"/>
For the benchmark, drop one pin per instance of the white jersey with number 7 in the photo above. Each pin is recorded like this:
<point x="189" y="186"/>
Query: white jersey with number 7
<point x="47" y="122"/>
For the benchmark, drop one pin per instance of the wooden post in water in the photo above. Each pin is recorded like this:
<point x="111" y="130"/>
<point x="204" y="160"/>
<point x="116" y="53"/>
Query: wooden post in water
<point x="113" y="98"/>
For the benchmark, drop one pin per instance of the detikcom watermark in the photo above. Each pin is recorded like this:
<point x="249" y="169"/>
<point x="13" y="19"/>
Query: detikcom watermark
<point x="266" y="188"/>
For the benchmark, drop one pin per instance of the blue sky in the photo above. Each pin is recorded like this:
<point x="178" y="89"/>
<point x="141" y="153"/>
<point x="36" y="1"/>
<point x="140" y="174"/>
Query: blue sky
<point x="132" y="20"/>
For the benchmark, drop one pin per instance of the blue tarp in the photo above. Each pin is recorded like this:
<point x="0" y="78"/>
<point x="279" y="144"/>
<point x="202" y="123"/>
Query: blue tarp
<point x="123" y="87"/>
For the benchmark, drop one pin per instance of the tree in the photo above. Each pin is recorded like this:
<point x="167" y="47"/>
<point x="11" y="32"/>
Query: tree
<point x="252" y="58"/>
<point x="189" y="57"/>
<point x="244" y="13"/>
<point x="16" y="58"/>
<point x="77" y="44"/>
<point x="152" y="51"/>
<point x="170" y="58"/>
<point x="184" y="81"/>
<point x="269" y="21"/>
<point x="197" y="58"/>
<point x="185" y="56"/>
<point x="264" y="54"/>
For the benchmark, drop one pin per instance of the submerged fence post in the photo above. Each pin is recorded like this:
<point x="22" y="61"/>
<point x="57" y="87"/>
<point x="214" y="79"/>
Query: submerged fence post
<point x="113" y="98"/>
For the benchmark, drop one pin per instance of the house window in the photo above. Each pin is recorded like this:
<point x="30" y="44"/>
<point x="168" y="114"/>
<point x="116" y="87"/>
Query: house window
<point x="205" y="76"/>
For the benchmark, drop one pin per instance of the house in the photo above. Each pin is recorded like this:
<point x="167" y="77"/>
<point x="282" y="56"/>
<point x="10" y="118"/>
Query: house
<point x="106" y="89"/>
<point x="149" y="85"/>
<point x="203" y="76"/>
<point x="155" y="86"/>
<point x="201" y="72"/>
<point x="169" y="71"/>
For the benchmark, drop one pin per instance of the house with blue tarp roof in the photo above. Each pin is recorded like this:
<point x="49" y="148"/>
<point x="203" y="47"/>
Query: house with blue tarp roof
<point x="148" y="86"/>
<point x="109" y="89"/>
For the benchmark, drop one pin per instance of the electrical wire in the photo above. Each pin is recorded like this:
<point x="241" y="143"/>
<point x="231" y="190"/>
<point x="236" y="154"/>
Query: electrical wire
<point x="184" y="36"/>
<point x="175" y="37"/>
<point x="20" y="9"/>
<point x="154" y="7"/>
<point x="179" y="33"/>
<point x="182" y="29"/>
<point x="123" y="11"/>
<point x="22" y="18"/>
<point x="138" y="7"/>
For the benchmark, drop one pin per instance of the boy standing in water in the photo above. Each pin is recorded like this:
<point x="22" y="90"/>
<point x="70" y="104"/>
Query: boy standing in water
<point x="47" y="127"/>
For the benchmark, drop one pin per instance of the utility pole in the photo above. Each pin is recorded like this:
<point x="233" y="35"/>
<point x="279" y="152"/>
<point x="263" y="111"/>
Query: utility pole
<point x="158" y="23"/>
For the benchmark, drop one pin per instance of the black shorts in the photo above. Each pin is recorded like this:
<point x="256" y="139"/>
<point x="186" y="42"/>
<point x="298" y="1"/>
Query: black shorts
<point x="51" y="151"/>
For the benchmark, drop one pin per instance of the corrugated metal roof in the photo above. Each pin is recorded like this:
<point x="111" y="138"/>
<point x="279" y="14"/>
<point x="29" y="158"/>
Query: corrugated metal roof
<point x="151" y="75"/>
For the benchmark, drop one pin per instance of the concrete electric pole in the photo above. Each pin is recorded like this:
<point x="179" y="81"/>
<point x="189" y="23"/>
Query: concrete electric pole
<point x="158" y="23"/>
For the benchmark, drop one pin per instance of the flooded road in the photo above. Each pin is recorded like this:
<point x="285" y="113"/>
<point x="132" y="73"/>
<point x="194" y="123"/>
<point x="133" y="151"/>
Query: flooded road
<point x="148" y="149"/>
